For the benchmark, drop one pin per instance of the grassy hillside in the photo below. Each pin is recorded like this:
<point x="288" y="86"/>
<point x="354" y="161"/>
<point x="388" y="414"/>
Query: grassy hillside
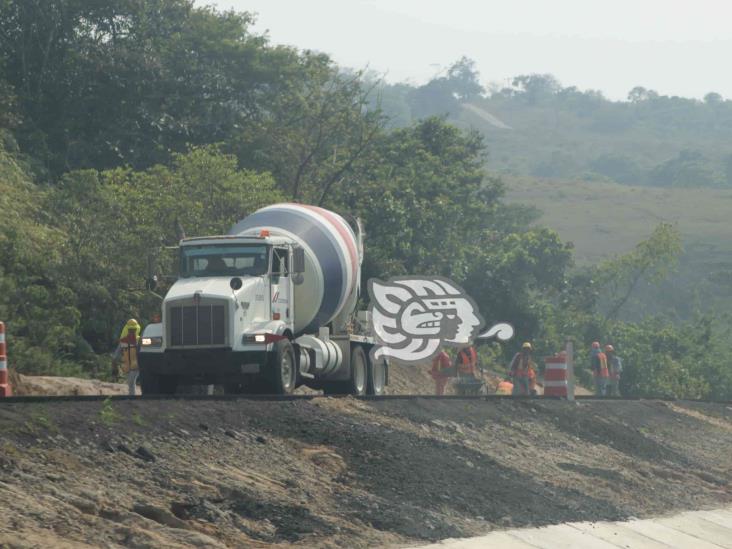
<point x="603" y="219"/>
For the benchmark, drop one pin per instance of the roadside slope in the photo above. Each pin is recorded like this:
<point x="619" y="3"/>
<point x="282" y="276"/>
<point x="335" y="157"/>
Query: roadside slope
<point x="341" y="472"/>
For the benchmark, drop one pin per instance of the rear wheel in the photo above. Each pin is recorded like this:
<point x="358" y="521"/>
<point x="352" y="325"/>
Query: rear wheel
<point x="283" y="371"/>
<point x="357" y="383"/>
<point x="359" y="372"/>
<point x="377" y="378"/>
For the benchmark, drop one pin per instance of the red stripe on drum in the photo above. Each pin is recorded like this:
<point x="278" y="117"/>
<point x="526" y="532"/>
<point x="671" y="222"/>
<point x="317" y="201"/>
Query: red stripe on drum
<point x="344" y="231"/>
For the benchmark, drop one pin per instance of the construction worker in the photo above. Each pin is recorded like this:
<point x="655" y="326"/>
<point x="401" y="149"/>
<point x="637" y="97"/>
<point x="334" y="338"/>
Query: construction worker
<point x="520" y="370"/>
<point x="466" y="365"/>
<point x="615" y="368"/>
<point x="442" y="371"/>
<point x="129" y="341"/>
<point x="598" y="363"/>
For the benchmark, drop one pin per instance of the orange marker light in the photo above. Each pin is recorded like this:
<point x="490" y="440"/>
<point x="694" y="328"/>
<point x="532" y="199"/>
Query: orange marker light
<point x="264" y="232"/>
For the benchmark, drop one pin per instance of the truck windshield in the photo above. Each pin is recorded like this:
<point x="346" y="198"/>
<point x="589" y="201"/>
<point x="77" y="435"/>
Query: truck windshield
<point x="223" y="260"/>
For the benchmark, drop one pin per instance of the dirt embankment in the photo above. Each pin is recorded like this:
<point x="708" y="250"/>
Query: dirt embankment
<point x="346" y="473"/>
<point x="23" y="385"/>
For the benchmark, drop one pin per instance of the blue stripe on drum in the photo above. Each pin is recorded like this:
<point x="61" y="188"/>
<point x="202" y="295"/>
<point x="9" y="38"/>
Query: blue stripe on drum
<point x="302" y="225"/>
<point x="338" y="237"/>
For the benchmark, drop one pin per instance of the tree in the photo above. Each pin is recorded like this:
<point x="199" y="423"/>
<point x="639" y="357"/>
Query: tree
<point x="105" y="83"/>
<point x="689" y="168"/>
<point x="713" y="98"/>
<point x="535" y="88"/>
<point x="312" y="134"/>
<point x="639" y="94"/>
<point x="464" y="79"/>
<point x="651" y="261"/>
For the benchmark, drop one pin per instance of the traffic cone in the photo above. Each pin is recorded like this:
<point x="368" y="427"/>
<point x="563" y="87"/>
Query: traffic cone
<point x="5" y="390"/>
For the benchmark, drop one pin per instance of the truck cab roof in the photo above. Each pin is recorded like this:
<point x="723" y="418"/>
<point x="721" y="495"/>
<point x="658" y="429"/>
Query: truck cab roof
<point x="235" y="239"/>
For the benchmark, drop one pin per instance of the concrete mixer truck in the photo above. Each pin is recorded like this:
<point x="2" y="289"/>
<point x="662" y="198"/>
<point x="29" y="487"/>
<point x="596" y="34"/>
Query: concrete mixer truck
<point x="266" y="308"/>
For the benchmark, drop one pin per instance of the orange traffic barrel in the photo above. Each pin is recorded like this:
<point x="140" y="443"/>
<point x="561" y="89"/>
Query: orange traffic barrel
<point x="555" y="375"/>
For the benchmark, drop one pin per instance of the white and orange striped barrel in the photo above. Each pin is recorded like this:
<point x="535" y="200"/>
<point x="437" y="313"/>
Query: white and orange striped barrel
<point x="332" y="259"/>
<point x="4" y="385"/>
<point x="555" y="375"/>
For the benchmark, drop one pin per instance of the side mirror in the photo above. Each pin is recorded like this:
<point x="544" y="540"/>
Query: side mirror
<point x="298" y="260"/>
<point x="236" y="283"/>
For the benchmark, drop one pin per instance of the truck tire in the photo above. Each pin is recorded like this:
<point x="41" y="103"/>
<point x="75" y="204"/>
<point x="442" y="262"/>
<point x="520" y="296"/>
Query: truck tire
<point x="377" y="378"/>
<point x="358" y="383"/>
<point x="283" y="368"/>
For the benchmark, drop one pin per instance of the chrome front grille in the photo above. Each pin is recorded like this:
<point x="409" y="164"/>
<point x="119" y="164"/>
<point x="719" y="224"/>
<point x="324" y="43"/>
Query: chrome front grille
<point x="197" y="325"/>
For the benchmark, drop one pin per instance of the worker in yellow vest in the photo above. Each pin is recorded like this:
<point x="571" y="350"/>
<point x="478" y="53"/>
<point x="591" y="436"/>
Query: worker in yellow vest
<point x="129" y="342"/>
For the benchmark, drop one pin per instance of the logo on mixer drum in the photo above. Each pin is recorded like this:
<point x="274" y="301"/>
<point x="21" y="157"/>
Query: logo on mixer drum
<point x="413" y="317"/>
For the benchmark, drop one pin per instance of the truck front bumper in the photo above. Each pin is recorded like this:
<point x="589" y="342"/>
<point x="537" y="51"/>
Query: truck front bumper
<point x="204" y="365"/>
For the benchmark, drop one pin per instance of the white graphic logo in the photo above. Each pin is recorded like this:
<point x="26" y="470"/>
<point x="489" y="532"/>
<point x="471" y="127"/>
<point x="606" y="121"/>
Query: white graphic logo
<point x="413" y="317"/>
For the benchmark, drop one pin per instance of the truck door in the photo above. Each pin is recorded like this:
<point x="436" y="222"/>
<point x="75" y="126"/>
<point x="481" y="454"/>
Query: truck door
<point x="281" y="287"/>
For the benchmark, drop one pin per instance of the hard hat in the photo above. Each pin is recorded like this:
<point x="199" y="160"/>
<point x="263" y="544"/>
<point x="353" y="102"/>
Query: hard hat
<point x="526" y="345"/>
<point x="595" y="344"/>
<point x="132" y="322"/>
<point x="609" y="348"/>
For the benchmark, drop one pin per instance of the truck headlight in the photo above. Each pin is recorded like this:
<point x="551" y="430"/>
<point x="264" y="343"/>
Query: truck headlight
<point x="152" y="341"/>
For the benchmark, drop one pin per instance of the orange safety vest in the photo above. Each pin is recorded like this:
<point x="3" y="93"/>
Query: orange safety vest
<point x="468" y="360"/>
<point x="521" y="366"/>
<point x="603" y="371"/>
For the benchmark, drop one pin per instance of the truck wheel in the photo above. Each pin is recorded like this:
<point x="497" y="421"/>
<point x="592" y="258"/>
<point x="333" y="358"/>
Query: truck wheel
<point x="377" y="378"/>
<point x="359" y="371"/>
<point x="283" y="373"/>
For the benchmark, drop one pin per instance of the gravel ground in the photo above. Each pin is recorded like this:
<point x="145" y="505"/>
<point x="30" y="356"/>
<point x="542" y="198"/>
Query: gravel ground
<point x="346" y="473"/>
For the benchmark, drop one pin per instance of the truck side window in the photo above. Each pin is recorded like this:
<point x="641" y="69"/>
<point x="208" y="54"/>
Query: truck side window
<point x="280" y="264"/>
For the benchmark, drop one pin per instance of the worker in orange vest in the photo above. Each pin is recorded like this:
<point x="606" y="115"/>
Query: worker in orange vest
<point x="442" y="371"/>
<point x="470" y="381"/>
<point x="467" y="362"/>
<point x="520" y="370"/>
<point x="598" y="363"/>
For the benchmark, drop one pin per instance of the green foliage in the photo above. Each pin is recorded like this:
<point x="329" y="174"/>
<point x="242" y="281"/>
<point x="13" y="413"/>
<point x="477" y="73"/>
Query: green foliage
<point x="539" y="127"/>
<point x="143" y="119"/>
<point x="107" y="413"/>
<point x="684" y="361"/>
<point x="651" y="260"/>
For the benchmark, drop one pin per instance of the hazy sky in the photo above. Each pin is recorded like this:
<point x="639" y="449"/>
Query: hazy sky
<point x="675" y="47"/>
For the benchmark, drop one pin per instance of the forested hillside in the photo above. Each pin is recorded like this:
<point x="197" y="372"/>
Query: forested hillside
<point x="124" y="122"/>
<point x="538" y="127"/>
<point x="603" y="173"/>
